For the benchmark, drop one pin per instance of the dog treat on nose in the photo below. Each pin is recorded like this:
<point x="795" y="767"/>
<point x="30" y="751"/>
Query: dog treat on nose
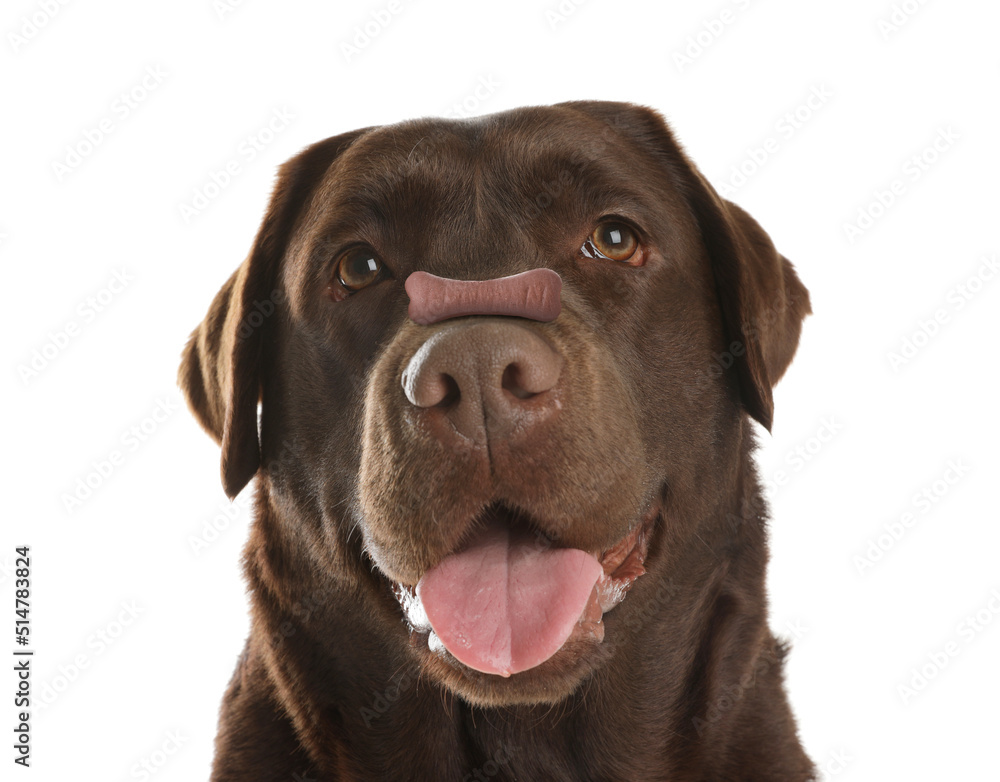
<point x="533" y="294"/>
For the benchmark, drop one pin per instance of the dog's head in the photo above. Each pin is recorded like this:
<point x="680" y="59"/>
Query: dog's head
<point x="504" y="367"/>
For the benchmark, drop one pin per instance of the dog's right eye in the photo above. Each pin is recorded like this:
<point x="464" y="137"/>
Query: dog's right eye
<point x="358" y="268"/>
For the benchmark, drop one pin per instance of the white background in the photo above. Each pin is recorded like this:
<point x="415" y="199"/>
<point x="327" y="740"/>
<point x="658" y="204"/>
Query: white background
<point x="874" y="433"/>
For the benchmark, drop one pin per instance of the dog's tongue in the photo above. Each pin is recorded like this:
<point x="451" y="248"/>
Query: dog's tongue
<point x="505" y="603"/>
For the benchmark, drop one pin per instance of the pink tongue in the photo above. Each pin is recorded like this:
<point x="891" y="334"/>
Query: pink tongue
<point x="506" y="603"/>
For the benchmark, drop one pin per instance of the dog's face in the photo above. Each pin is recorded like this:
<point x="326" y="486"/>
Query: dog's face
<point x="496" y="465"/>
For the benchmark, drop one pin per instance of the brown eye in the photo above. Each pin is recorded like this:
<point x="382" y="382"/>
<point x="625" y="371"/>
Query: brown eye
<point x="358" y="268"/>
<point x="613" y="240"/>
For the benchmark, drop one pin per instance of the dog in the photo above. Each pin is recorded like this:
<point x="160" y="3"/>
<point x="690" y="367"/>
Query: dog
<point x="495" y="380"/>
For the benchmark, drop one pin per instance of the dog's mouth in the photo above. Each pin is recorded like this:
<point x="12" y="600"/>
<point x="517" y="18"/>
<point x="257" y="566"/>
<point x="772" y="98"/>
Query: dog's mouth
<point x="511" y="598"/>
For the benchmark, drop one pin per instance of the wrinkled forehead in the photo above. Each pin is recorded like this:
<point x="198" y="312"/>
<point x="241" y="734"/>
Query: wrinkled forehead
<point x="505" y="157"/>
<point x="504" y="169"/>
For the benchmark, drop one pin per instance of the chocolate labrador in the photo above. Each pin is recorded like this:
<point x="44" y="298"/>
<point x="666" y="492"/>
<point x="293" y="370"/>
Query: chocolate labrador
<point x="496" y="380"/>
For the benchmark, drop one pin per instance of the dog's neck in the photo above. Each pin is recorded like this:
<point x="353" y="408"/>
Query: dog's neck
<point x="357" y="703"/>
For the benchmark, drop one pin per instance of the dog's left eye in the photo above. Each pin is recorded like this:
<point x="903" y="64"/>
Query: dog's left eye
<point x="615" y="241"/>
<point x="358" y="268"/>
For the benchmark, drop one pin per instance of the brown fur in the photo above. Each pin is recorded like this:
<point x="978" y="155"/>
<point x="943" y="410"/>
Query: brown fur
<point x="663" y="367"/>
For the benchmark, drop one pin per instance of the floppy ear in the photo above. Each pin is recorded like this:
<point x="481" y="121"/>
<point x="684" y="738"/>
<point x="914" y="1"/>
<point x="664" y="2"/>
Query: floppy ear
<point x="220" y="371"/>
<point x="763" y="302"/>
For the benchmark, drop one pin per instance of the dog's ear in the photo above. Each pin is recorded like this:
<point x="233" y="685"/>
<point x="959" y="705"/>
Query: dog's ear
<point x="220" y="371"/>
<point x="762" y="298"/>
<point x="763" y="302"/>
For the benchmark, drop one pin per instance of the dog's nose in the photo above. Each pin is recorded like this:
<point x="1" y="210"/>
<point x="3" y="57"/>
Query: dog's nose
<point x="488" y="377"/>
